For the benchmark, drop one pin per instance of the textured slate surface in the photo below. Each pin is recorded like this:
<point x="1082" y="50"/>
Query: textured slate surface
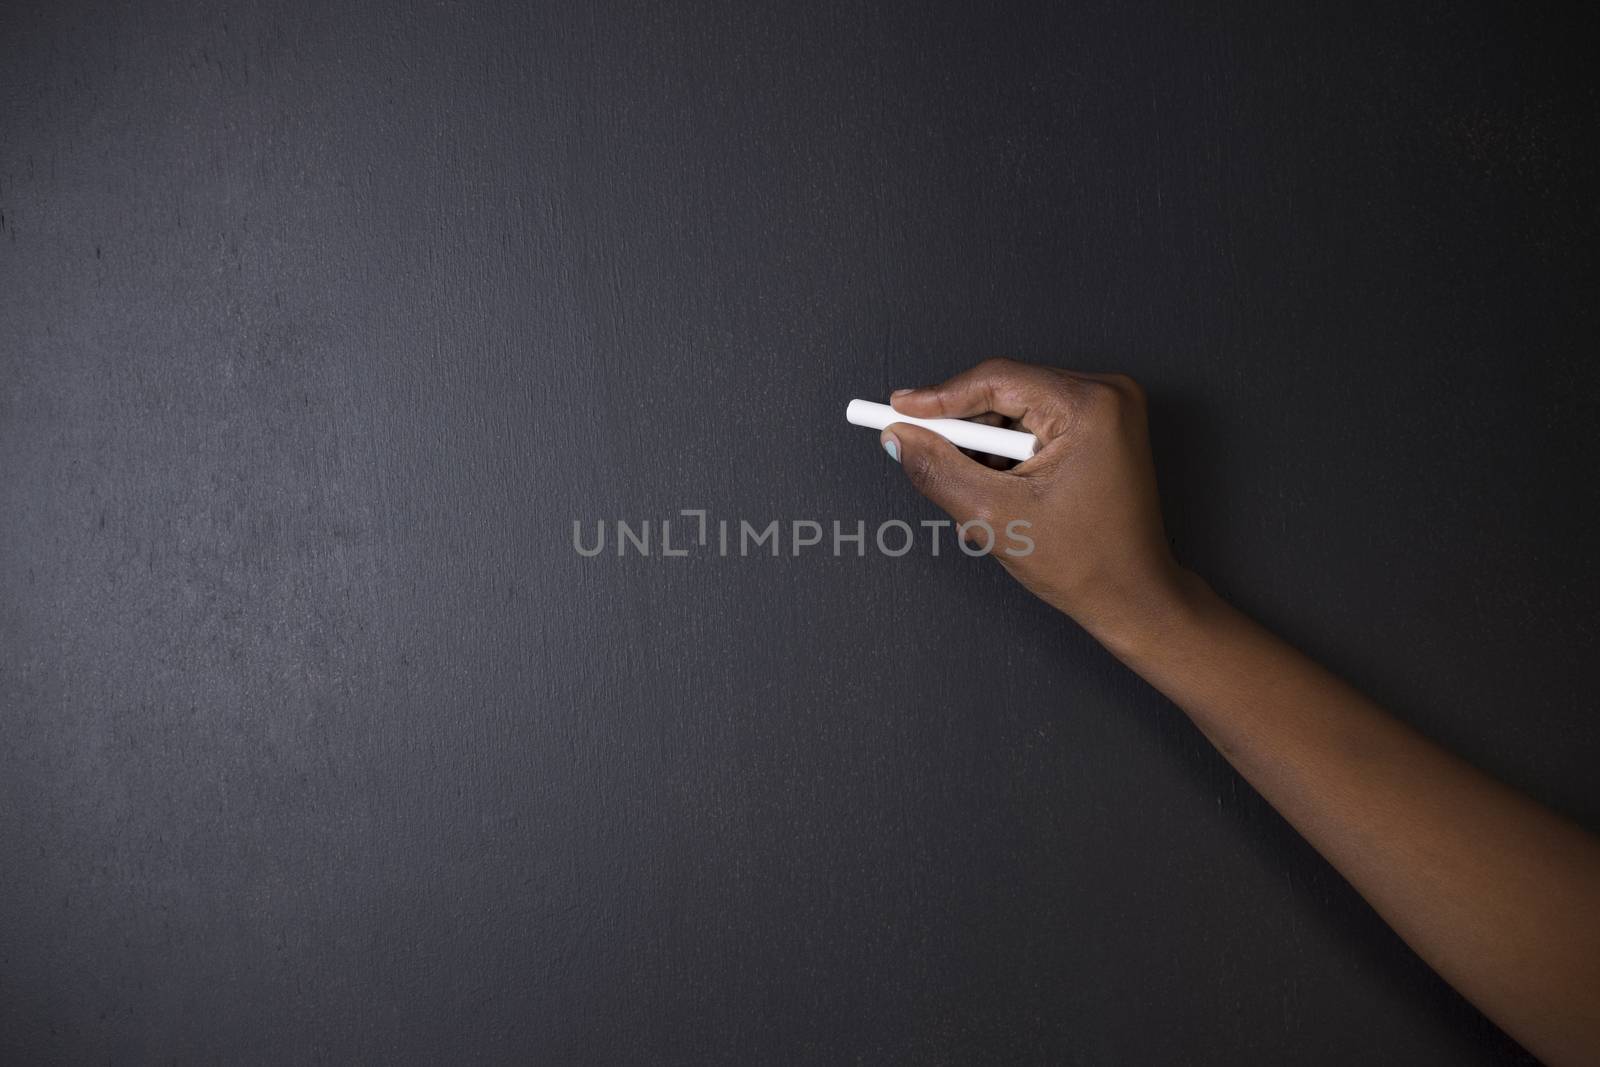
<point x="321" y="322"/>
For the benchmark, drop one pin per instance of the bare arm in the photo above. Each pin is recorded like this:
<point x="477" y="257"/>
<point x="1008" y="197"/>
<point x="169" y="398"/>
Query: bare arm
<point x="1500" y="895"/>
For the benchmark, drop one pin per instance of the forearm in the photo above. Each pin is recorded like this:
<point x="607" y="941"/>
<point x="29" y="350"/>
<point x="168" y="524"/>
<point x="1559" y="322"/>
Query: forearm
<point x="1500" y="895"/>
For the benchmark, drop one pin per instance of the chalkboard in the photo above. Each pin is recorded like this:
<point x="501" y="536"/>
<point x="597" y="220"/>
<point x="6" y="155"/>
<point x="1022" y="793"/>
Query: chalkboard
<point x="323" y="323"/>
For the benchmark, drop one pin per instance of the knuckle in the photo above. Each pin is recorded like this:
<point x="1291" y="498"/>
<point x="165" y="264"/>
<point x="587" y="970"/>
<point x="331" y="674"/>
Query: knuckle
<point x="1101" y="404"/>
<point x="1100" y="395"/>
<point x="922" y="474"/>
<point x="1122" y="383"/>
<point x="1130" y="389"/>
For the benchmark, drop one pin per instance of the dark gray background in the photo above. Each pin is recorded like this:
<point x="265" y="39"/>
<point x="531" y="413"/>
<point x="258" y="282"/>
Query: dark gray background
<point x="321" y="321"/>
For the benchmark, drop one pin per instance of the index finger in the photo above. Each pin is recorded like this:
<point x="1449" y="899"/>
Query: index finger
<point x="1036" y="396"/>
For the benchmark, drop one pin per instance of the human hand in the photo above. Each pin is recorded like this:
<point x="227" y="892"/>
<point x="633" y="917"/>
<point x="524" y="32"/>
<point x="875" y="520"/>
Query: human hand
<point x="1088" y="496"/>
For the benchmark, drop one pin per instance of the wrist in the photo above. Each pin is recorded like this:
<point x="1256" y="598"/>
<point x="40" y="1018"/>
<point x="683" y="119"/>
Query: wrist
<point x="1135" y="623"/>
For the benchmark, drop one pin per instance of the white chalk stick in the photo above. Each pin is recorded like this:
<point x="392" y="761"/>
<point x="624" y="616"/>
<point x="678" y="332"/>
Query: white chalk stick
<point x="1013" y="444"/>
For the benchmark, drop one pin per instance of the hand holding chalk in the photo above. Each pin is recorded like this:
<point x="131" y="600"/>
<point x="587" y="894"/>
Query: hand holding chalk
<point x="993" y="440"/>
<point x="1087" y="499"/>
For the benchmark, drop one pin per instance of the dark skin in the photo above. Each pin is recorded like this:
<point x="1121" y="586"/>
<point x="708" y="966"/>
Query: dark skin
<point x="1500" y="895"/>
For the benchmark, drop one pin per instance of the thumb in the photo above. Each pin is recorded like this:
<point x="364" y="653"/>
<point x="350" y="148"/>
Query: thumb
<point x="966" y="489"/>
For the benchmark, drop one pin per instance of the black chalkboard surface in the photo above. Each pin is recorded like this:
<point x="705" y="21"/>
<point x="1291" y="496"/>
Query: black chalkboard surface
<point x="321" y="323"/>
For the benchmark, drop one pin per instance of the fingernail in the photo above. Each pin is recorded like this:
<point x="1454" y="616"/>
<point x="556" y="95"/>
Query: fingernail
<point x="891" y="445"/>
<point x="900" y="392"/>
